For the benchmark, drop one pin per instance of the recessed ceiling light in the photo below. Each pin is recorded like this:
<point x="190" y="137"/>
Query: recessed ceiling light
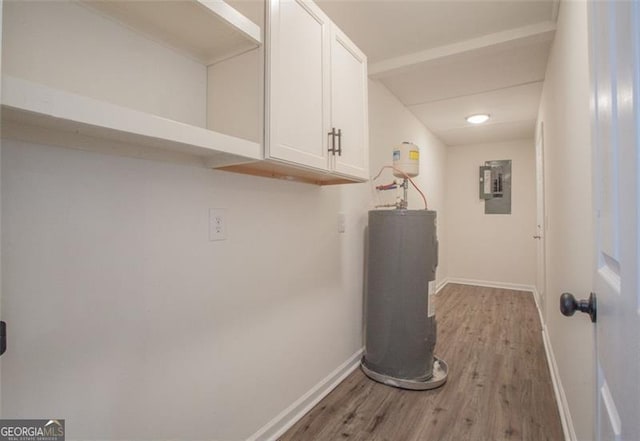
<point x="478" y="119"/>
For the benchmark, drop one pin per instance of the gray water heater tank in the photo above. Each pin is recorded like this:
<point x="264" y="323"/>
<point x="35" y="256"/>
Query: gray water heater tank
<point x="400" y="324"/>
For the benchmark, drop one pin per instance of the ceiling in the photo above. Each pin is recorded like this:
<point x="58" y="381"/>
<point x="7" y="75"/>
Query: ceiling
<point x="445" y="60"/>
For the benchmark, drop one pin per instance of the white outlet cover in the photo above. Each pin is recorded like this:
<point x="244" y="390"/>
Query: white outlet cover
<point x="342" y="222"/>
<point x="217" y="224"/>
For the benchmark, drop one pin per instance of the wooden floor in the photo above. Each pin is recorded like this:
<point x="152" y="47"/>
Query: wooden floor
<point x="499" y="387"/>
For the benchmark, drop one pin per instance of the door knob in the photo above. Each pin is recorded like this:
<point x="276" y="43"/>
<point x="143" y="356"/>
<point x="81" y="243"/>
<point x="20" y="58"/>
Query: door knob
<point x="537" y="237"/>
<point x="569" y="305"/>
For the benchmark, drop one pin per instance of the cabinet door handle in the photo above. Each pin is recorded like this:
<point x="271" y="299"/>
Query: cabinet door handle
<point x="332" y="134"/>
<point x="339" y="142"/>
<point x="3" y="337"/>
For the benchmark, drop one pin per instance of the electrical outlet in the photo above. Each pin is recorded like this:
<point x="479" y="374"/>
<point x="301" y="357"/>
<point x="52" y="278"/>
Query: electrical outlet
<point x="217" y="224"/>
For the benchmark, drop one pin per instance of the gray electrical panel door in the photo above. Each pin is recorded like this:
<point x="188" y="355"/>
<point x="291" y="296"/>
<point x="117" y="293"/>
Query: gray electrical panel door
<point x="495" y="186"/>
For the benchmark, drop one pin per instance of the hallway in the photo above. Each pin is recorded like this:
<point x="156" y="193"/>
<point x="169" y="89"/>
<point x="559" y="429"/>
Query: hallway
<point x="499" y="386"/>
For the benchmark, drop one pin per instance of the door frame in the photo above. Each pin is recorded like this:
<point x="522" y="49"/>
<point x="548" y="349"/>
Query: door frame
<point x="541" y="225"/>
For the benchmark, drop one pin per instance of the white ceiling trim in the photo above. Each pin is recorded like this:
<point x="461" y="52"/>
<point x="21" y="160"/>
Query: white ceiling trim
<point x="396" y="65"/>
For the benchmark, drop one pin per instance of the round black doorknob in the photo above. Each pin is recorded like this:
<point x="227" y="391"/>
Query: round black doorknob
<point x="569" y="305"/>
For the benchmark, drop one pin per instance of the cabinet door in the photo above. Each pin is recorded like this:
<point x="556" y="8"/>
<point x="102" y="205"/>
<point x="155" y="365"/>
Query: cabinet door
<point x="349" y="106"/>
<point x="298" y="83"/>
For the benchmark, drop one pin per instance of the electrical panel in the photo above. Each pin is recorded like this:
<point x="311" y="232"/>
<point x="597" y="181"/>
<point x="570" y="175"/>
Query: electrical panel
<point x="495" y="186"/>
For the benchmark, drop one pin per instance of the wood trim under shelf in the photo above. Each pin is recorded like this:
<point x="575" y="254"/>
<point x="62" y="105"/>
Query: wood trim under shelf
<point x="272" y="169"/>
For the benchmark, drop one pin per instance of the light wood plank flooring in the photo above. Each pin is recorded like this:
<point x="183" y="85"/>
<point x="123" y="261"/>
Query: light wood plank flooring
<point x="499" y="387"/>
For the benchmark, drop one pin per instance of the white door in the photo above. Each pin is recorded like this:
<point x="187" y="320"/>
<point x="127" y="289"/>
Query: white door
<point x="539" y="236"/>
<point x="615" y="70"/>
<point x="349" y="106"/>
<point x="298" y="83"/>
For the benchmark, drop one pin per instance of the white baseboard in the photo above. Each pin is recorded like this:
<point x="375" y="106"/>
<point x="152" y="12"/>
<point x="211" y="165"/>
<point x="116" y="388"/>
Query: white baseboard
<point x="441" y="285"/>
<point x="561" y="398"/>
<point x="492" y="284"/>
<point x="288" y="417"/>
<point x="536" y="299"/>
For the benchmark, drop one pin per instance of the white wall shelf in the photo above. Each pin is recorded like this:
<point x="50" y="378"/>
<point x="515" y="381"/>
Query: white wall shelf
<point x="31" y="111"/>
<point x="207" y="30"/>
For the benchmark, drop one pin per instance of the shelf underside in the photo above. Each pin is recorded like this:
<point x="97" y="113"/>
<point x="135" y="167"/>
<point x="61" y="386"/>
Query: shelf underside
<point x="208" y="30"/>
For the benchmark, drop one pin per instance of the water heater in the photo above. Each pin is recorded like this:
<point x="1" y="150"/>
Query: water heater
<point x="400" y="325"/>
<point x="402" y="257"/>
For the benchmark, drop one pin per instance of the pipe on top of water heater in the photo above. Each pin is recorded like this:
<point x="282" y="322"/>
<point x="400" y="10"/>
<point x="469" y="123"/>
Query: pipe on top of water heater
<point x="406" y="165"/>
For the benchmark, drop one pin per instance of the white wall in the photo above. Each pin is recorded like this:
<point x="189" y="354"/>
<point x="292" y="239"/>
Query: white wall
<point x="129" y="323"/>
<point x="564" y="109"/>
<point x="41" y="44"/>
<point x="493" y="248"/>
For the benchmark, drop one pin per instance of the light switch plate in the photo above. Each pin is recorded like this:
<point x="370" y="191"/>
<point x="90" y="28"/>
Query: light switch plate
<point x="342" y="222"/>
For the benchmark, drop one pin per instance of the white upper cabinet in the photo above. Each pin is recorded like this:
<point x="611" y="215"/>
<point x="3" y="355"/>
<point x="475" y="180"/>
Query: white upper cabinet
<point x="127" y="77"/>
<point x="349" y="104"/>
<point x="298" y="80"/>
<point x="316" y="93"/>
